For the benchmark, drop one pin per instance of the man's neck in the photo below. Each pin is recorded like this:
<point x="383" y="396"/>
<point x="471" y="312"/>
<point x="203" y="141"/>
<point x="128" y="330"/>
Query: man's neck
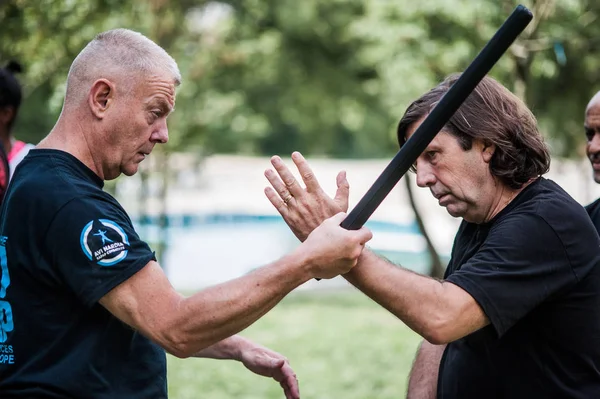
<point x="69" y="137"/>
<point x="506" y="196"/>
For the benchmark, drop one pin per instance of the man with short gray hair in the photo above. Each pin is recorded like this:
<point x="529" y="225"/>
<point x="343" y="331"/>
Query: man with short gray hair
<point x="85" y="309"/>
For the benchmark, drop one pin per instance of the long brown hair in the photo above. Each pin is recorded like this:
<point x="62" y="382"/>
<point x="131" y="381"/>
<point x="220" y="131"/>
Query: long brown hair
<point x="495" y="116"/>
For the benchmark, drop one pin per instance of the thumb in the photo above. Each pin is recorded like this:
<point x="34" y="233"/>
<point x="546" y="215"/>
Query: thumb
<point x="277" y="363"/>
<point x="343" y="190"/>
<point x="338" y="218"/>
<point x="365" y="235"/>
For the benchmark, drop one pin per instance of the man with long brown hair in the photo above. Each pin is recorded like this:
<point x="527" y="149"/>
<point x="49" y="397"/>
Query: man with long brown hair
<point x="513" y="316"/>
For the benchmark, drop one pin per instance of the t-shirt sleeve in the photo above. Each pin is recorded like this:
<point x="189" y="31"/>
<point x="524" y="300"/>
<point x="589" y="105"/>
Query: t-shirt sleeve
<point x="93" y="247"/>
<point x="522" y="263"/>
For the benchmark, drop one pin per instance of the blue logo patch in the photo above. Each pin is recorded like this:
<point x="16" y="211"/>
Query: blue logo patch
<point x="6" y="317"/>
<point x="104" y="242"/>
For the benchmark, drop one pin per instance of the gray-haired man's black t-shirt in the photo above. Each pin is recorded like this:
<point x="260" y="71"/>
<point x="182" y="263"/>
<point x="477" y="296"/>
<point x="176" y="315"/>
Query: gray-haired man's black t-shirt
<point x="535" y="271"/>
<point x="64" y="244"/>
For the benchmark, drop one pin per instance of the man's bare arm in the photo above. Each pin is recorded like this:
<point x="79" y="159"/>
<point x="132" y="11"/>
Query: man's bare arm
<point x="258" y="359"/>
<point x="439" y="311"/>
<point x="185" y="326"/>
<point x="423" y="379"/>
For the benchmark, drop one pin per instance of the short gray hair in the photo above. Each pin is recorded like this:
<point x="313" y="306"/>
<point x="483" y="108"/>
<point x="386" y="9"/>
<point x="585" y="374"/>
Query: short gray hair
<point x="118" y="53"/>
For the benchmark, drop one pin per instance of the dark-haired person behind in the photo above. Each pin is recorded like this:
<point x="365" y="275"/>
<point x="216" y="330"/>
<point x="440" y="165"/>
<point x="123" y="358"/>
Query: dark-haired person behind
<point x="12" y="150"/>
<point x="516" y="315"/>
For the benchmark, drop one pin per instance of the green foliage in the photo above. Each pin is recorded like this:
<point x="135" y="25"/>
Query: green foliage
<point x="341" y="345"/>
<point x="324" y="77"/>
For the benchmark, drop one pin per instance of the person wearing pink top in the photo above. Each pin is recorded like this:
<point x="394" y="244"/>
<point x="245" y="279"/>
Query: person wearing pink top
<point x="13" y="151"/>
<point x="18" y="150"/>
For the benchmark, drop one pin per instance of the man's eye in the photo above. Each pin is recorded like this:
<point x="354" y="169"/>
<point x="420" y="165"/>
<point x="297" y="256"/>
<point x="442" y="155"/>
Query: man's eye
<point x="589" y="133"/>
<point x="431" y="155"/>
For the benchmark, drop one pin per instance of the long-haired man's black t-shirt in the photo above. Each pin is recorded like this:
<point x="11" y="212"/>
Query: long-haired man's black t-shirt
<point x="535" y="271"/>
<point x="64" y="244"/>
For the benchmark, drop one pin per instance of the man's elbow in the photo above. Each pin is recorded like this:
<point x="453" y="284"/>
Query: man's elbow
<point x="178" y="338"/>
<point x="176" y="346"/>
<point x="440" y="331"/>
<point x="437" y="338"/>
<point x="180" y="344"/>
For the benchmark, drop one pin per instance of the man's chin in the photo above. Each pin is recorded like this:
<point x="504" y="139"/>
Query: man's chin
<point x="597" y="177"/>
<point x="452" y="211"/>
<point x="130" y="170"/>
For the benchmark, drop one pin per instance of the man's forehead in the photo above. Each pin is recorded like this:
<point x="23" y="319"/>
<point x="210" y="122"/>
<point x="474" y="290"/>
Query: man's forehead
<point x="160" y="93"/>
<point x="592" y="117"/>
<point x="442" y="134"/>
<point x="161" y="82"/>
<point x="440" y="139"/>
<point x="593" y="106"/>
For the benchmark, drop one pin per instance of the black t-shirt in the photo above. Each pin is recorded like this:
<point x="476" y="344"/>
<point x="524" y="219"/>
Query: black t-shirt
<point x="535" y="271"/>
<point x="593" y="210"/>
<point x="64" y="244"/>
<point x="4" y="173"/>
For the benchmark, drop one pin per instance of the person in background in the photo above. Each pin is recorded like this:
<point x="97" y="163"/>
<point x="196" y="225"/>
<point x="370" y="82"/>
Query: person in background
<point x="10" y="100"/>
<point x="592" y="133"/>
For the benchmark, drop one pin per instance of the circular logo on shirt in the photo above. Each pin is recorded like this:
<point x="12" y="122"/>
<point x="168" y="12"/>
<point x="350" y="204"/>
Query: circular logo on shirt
<point x="104" y="242"/>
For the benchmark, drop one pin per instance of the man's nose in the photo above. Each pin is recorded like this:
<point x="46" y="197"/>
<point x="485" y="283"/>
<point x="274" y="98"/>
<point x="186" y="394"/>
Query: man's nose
<point x="161" y="135"/>
<point x="425" y="176"/>
<point x="594" y="144"/>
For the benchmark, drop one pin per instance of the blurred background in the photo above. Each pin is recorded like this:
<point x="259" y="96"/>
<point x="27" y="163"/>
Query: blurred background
<point x="329" y="78"/>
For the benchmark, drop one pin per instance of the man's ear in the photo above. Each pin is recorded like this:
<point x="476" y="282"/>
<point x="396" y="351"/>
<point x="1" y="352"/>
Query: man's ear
<point x="101" y="97"/>
<point x="488" y="151"/>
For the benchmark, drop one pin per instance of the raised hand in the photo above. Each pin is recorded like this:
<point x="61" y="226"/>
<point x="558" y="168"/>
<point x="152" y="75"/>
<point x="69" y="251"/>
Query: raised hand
<point x="303" y="209"/>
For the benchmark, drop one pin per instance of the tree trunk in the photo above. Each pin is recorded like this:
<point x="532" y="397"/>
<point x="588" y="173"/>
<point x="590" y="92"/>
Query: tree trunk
<point x="143" y="196"/>
<point x="436" y="269"/>
<point x="163" y="224"/>
<point x="521" y="77"/>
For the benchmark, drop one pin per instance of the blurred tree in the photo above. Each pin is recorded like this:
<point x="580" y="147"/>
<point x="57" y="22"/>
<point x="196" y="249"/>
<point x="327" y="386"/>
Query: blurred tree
<point x="45" y="36"/>
<point x="323" y="77"/>
<point x="282" y="75"/>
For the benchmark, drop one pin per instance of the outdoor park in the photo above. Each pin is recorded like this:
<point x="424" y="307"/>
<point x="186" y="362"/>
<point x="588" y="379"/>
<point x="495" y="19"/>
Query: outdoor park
<point x="340" y="344"/>
<point x="329" y="78"/>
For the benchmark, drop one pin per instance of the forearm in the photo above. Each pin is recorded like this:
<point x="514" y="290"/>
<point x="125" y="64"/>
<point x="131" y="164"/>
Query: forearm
<point x="220" y="311"/>
<point x="423" y="379"/>
<point x="228" y="348"/>
<point x="428" y="306"/>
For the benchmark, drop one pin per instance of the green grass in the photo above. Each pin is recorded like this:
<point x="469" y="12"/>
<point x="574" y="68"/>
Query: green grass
<point x="340" y="344"/>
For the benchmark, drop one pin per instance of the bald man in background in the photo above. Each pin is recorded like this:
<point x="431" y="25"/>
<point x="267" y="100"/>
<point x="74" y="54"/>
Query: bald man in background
<point x="592" y="134"/>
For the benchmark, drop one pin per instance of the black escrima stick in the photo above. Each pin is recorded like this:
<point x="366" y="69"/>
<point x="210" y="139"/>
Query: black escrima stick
<point x="438" y="117"/>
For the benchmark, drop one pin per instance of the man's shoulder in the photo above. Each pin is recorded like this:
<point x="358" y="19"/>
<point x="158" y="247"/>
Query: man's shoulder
<point x="548" y="209"/>
<point x="593" y="207"/>
<point x="549" y="201"/>
<point x="593" y="211"/>
<point x="43" y="172"/>
<point x="44" y="185"/>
